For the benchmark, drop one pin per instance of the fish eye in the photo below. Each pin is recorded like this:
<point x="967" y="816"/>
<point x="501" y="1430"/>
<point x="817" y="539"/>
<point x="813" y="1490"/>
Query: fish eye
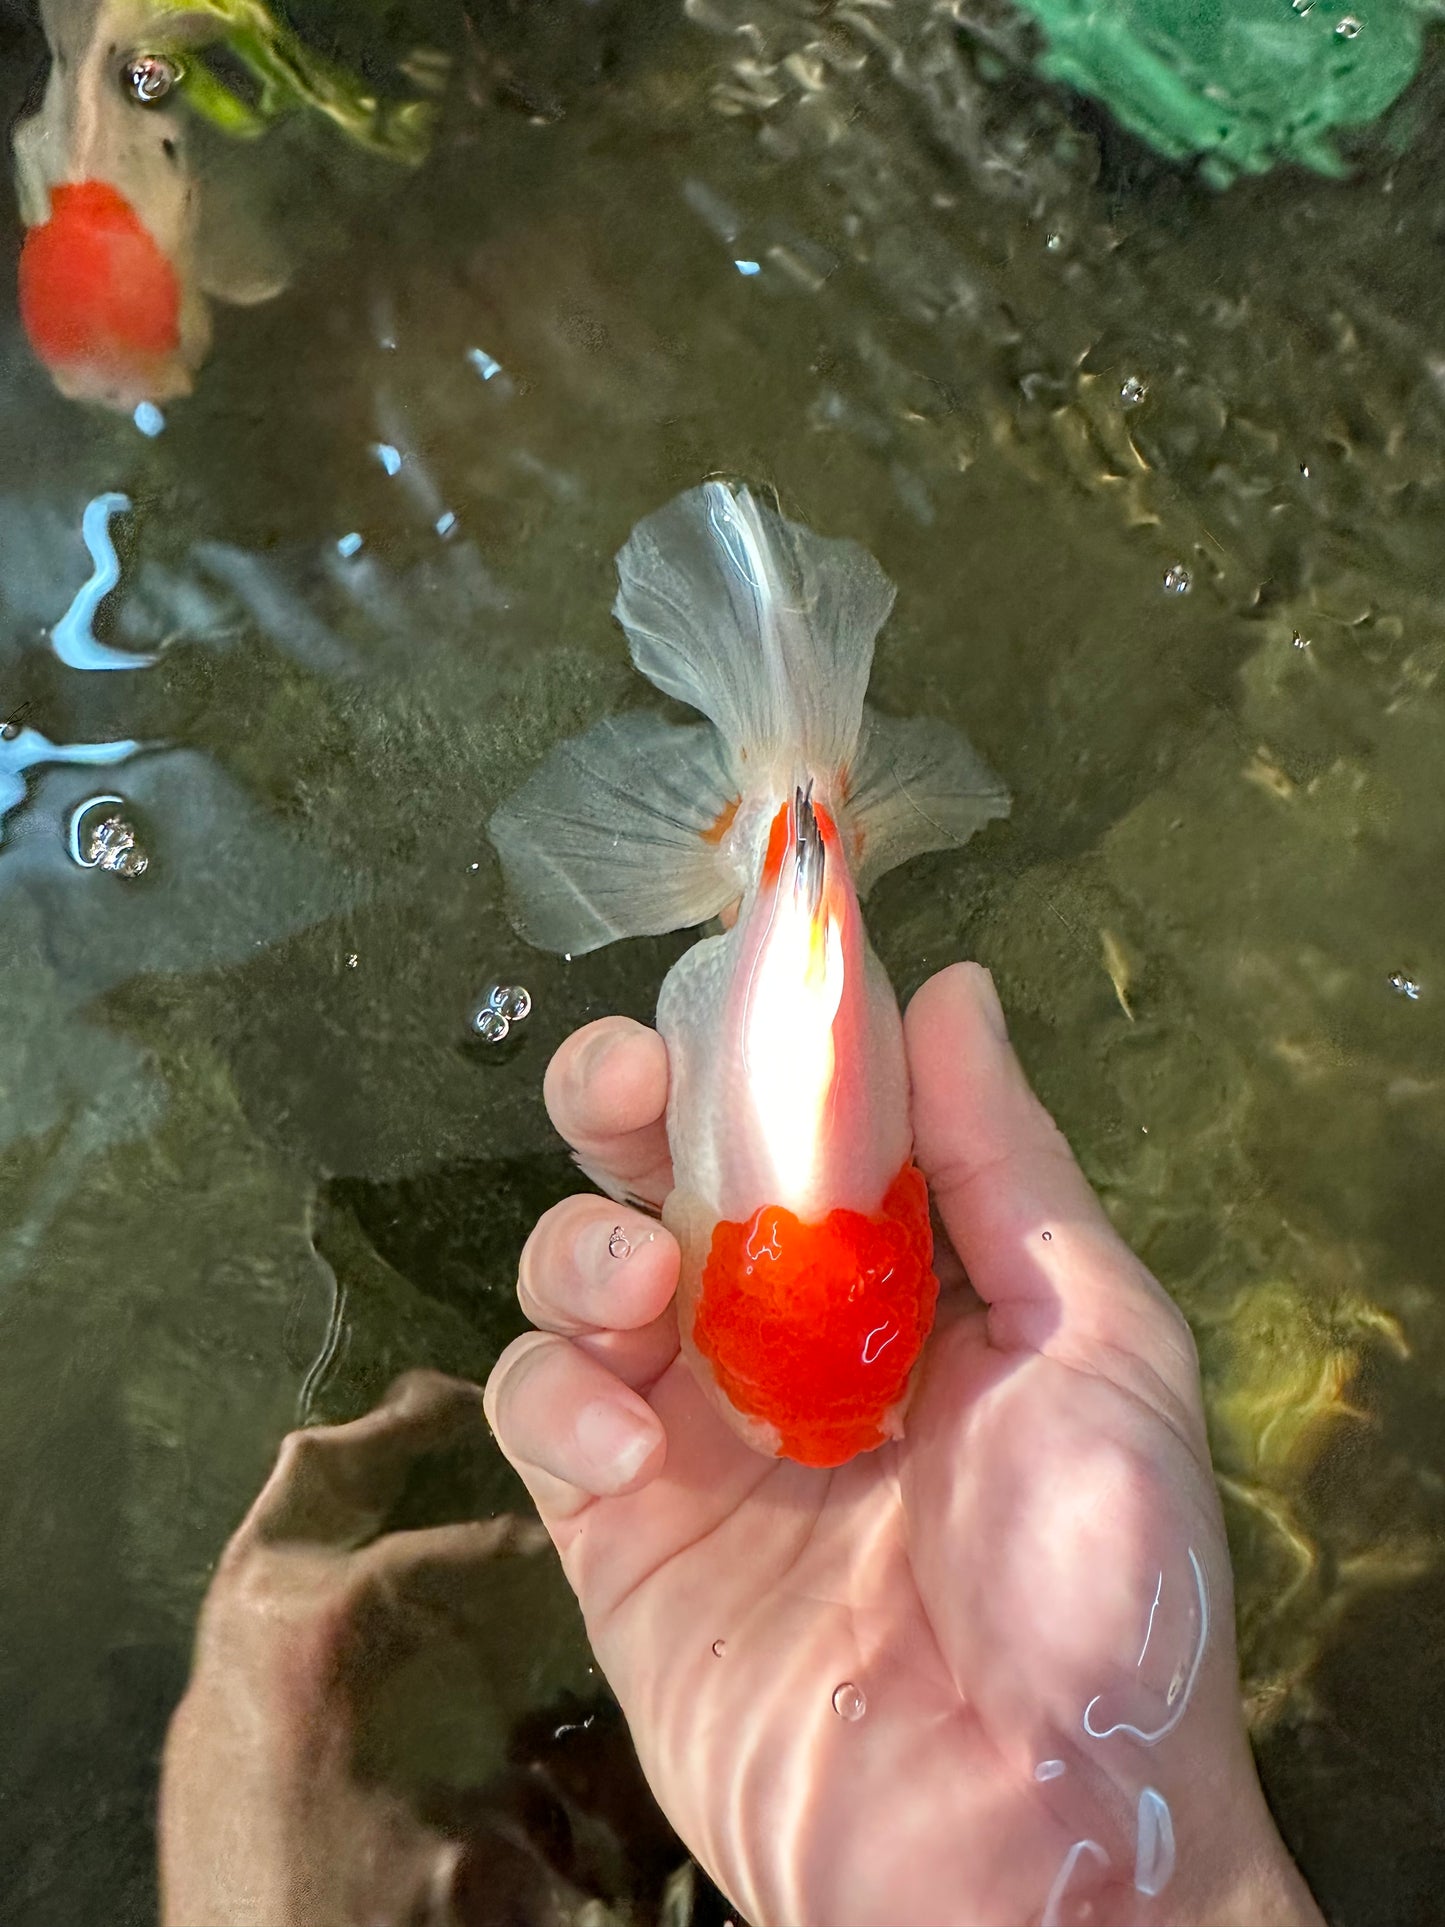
<point x="148" y="78"/>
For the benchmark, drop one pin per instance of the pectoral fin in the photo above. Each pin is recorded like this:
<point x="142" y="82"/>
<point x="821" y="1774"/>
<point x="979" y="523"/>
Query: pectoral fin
<point x="917" y="785"/>
<point x="616" y="835"/>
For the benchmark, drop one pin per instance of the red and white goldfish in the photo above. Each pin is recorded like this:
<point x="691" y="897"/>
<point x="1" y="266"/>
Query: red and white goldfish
<point x="117" y="268"/>
<point x="807" y="1287"/>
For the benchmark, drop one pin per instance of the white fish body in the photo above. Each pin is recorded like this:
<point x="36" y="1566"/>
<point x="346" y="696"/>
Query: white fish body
<point x="806" y="1290"/>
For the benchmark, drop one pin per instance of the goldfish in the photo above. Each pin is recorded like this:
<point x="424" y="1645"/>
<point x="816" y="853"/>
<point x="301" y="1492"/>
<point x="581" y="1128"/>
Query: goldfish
<point x="129" y="238"/>
<point x="807" y="1286"/>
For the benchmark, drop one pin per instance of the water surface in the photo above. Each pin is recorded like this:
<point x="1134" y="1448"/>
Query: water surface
<point x="1160" y="473"/>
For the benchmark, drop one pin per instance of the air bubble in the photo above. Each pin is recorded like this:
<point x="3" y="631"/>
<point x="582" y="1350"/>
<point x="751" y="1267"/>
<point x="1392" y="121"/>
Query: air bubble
<point x="148" y="419"/>
<point x="1405" y="986"/>
<point x="1054" y="243"/>
<point x="719" y="1647"/>
<point x="110" y="843"/>
<point x="1300" y="642"/>
<point x="514" y="1001"/>
<point x="1177" y="580"/>
<point x="148" y="78"/>
<point x="1049" y="1770"/>
<point x="619" y="1245"/>
<point x="490" y="1025"/>
<point x="1350" y="28"/>
<point x="1048" y="1237"/>
<point x="1133" y="391"/>
<point x="849" y="1701"/>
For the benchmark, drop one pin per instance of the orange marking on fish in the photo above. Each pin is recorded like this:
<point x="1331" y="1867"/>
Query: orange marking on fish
<point x="95" y="288"/>
<point x="815" y="1328"/>
<point x="721" y="823"/>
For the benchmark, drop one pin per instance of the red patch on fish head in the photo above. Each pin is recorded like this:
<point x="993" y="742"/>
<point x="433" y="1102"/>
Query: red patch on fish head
<point x="100" y="302"/>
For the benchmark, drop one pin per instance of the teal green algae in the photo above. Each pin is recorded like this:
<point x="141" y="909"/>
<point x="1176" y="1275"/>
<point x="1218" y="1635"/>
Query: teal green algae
<point x="1243" y="84"/>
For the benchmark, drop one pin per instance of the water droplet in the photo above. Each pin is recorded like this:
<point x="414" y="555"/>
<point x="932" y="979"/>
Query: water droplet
<point x="619" y="1244"/>
<point x="1049" y="1769"/>
<point x="849" y="1701"/>
<point x="108" y="843"/>
<point x="1048" y="1237"/>
<point x="1133" y="391"/>
<point x="490" y="1025"/>
<point x="1405" y="986"/>
<point x="148" y="78"/>
<point x="1304" y="469"/>
<point x="148" y="419"/>
<point x="1177" y="580"/>
<point x="514" y="1001"/>
<point x="1302" y="7"/>
<point x="9" y="729"/>
<point x="1349" y="28"/>
<point x="719" y="1647"/>
<point x="1054" y="243"/>
<point x="1301" y="642"/>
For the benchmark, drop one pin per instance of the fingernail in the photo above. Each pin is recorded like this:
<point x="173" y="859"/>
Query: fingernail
<point x="593" y="1052"/>
<point x="990" y="1009"/>
<point x="615" y="1442"/>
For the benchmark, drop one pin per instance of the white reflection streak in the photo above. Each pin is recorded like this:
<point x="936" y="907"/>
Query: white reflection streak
<point x="1058" y="1893"/>
<point x="1123" y="1726"/>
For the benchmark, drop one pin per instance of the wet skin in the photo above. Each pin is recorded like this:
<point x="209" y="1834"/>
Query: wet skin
<point x="842" y="1685"/>
<point x="978" y="1582"/>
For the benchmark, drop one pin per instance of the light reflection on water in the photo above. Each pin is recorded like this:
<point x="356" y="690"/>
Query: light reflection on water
<point x="950" y="314"/>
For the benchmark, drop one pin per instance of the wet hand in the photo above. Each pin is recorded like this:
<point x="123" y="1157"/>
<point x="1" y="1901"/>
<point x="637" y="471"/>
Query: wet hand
<point x="985" y="1674"/>
<point x="267" y="1817"/>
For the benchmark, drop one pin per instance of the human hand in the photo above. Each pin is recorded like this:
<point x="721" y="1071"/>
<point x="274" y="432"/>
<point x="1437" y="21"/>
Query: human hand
<point x="985" y="1674"/>
<point x="286" y="1800"/>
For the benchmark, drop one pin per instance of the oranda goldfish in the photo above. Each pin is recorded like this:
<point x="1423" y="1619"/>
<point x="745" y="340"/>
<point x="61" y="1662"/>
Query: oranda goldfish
<point x="807" y="1288"/>
<point x="129" y="237"/>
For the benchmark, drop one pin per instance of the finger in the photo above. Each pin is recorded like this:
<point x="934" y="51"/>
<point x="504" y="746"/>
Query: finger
<point x="438" y="1566"/>
<point x="336" y="1483"/>
<point x="570" y="1428"/>
<point x="594" y="1266"/>
<point x="606" y="1092"/>
<point x="1033" y="1237"/>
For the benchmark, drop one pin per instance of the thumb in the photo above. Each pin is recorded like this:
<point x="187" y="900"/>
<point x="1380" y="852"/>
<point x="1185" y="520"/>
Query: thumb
<point x="1019" y="1212"/>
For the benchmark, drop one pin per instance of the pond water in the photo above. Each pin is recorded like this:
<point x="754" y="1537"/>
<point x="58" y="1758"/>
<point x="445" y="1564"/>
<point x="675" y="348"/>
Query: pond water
<point x="1159" y="470"/>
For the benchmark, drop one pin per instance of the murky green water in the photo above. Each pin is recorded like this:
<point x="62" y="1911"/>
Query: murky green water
<point x="252" y="1161"/>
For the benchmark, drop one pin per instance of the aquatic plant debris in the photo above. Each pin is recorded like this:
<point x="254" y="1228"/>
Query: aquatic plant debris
<point x="1242" y="85"/>
<point x="287" y="75"/>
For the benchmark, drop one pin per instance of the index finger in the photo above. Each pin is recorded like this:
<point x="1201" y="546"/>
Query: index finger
<point x="606" y="1092"/>
<point x="1033" y="1237"/>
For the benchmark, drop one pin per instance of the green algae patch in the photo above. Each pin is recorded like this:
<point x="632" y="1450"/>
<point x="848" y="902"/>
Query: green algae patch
<point x="284" y="75"/>
<point x="1241" y="84"/>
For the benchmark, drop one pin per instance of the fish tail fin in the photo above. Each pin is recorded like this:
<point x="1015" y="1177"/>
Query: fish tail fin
<point x="763" y="626"/>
